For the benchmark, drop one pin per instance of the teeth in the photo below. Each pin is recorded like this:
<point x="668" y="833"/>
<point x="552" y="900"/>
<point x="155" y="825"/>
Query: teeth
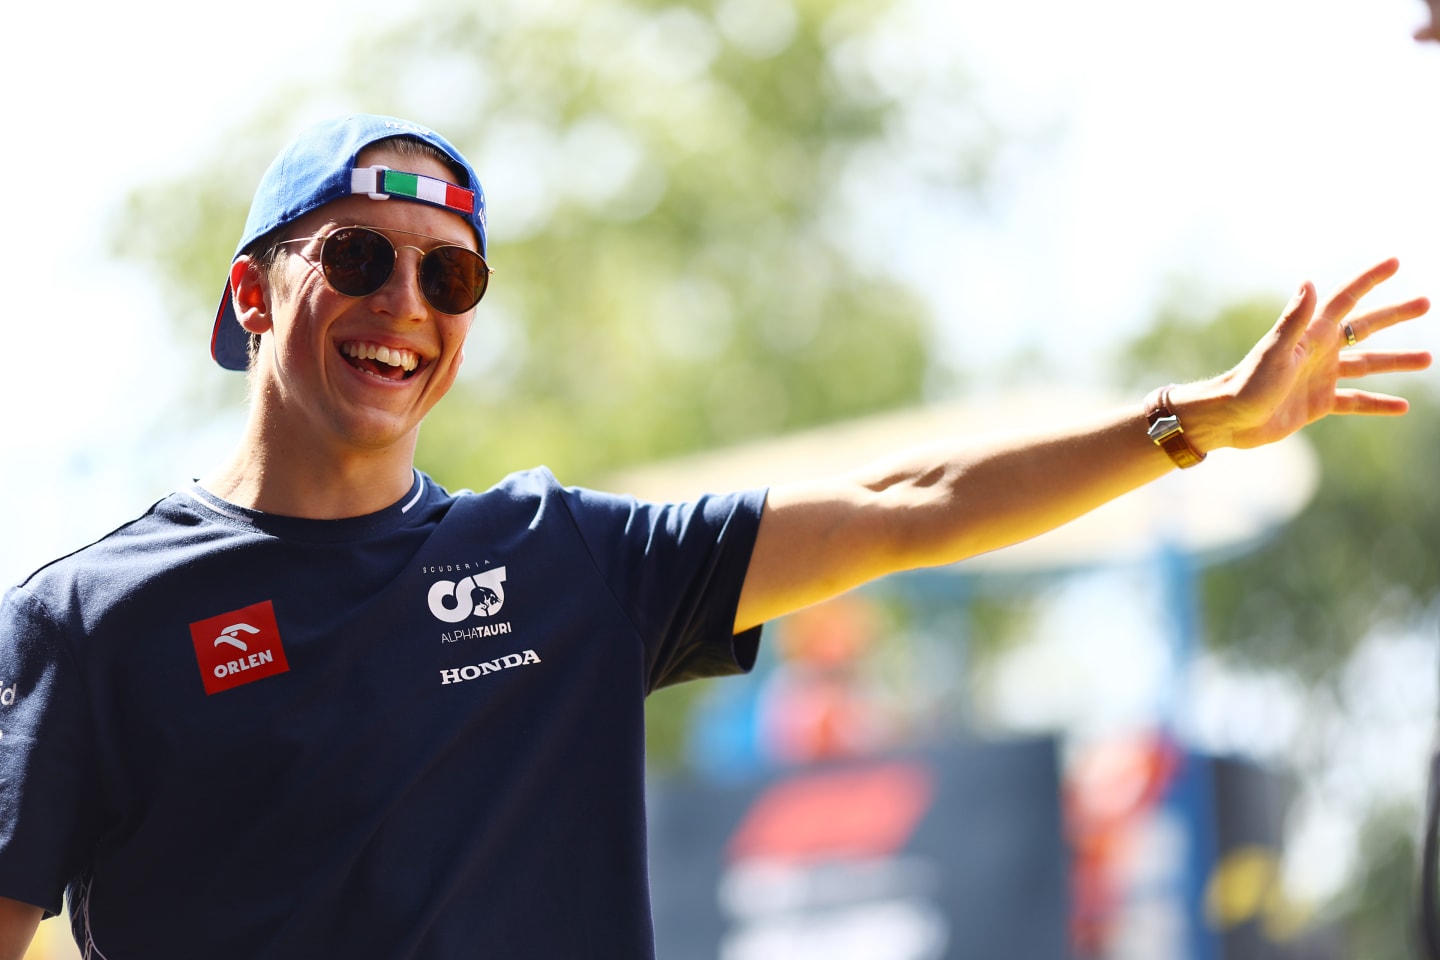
<point x="404" y="359"/>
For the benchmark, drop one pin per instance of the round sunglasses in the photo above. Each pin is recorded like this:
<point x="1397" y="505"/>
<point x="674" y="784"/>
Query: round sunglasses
<point x="357" y="261"/>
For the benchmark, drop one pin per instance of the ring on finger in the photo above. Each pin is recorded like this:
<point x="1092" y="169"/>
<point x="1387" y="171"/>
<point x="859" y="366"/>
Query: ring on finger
<point x="1350" y="337"/>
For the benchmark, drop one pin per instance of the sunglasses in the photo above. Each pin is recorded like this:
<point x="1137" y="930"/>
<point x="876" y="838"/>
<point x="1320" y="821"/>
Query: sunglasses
<point x="357" y="261"/>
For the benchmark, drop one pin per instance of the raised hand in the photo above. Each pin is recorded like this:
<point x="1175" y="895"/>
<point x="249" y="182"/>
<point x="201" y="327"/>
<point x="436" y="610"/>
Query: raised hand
<point x="1292" y="376"/>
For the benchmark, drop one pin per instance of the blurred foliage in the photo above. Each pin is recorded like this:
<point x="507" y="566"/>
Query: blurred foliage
<point x="1377" y="911"/>
<point x="1359" y="556"/>
<point x="675" y="192"/>
<point x="1179" y="345"/>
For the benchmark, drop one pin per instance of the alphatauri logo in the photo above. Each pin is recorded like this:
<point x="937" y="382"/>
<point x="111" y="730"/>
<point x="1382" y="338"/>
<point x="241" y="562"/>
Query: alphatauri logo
<point x="453" y="601"/>
<point x="238" y="647"/>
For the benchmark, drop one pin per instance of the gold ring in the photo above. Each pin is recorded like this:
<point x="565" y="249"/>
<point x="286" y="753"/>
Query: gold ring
<point x="1349" y="334"/>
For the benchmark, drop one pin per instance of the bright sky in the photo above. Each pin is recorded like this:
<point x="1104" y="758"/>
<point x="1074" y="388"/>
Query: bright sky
<point x="1246" y="144"/>
<point x="1240" y="144"/>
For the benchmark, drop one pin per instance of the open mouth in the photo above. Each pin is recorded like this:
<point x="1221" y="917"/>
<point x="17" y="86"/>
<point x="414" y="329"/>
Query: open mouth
<point x="387" y="363"/>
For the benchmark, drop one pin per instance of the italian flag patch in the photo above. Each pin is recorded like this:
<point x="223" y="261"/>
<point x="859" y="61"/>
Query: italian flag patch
<point x="378" y="181"/>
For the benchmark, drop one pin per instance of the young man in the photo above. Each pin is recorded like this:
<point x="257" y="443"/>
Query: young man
<point x="313" y="705"/>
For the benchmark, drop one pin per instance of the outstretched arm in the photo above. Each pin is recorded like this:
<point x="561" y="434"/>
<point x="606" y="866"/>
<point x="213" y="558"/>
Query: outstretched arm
<point x="955" y="499"/>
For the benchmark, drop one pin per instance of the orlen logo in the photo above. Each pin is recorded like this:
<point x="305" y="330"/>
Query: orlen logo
<point x="481" y="595"/>
<point x="238" y="647"/>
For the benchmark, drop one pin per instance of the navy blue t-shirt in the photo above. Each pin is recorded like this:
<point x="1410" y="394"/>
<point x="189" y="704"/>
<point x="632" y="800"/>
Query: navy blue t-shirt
<point x="417" y="733"/>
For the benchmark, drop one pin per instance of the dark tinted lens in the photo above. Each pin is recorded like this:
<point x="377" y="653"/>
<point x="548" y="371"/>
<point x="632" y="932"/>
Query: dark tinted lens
<point x="356" y="261"/>
<point x="453" y="279"/>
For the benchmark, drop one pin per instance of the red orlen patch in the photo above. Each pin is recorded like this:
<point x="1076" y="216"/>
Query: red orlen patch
<point x="864" y="812"/>
<point x="238" y="647"/>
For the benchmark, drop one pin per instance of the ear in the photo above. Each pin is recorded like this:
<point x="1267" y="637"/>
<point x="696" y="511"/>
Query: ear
<point x="250" y="288"/>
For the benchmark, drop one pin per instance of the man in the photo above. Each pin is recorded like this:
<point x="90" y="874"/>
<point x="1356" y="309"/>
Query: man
<point x="314" y="705"/>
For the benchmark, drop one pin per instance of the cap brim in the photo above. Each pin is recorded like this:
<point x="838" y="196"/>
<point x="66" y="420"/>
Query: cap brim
<point x="229" y="342"/>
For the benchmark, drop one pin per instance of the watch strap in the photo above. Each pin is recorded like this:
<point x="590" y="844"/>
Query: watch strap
<point x="1164" y="428"/>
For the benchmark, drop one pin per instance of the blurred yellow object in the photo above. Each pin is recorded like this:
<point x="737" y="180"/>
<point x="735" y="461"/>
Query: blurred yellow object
<point x="53" y="941"/>
<point x="1247" y="886"/>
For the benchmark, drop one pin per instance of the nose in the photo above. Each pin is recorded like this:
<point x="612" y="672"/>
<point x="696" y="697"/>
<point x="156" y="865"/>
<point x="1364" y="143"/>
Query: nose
<point x="400" y="295"/>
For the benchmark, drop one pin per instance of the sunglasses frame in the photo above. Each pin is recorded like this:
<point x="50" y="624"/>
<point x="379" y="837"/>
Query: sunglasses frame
<point x="380" y="232"/>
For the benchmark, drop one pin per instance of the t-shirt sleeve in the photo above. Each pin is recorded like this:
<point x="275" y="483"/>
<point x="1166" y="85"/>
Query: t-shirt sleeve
<point x="678" y="570"/>
<point x="45" y="756"/>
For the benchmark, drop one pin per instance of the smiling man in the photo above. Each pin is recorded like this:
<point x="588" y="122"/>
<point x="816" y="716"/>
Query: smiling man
<point x="314" y="705"/>
<point x="346" y="364"/>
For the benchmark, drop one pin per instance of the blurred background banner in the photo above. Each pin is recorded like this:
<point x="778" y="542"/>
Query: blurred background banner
<point x="946" y="853"/>
<point x="980" y="850"/>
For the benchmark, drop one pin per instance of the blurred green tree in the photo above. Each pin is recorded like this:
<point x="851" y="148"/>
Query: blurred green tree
<point x="1358" y="560"/>
<point x="1359" y="556"/>
<point x="671" y="190"/>
<point x="673" y="194"/>
<point x="1376" y="911"/>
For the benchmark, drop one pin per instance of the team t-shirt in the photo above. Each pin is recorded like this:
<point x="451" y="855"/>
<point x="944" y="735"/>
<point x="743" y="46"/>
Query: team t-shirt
<point x="417" y="733"/>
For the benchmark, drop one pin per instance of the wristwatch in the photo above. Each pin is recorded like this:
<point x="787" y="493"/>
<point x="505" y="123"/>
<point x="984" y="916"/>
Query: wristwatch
<point x="1163" y="427"/>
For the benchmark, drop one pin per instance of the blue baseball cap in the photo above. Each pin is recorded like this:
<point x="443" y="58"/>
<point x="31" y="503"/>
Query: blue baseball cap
<point x="319" y="166"/>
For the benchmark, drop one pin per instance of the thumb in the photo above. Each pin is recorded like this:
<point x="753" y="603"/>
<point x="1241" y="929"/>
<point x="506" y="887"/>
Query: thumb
<point x="1296" y="316"/>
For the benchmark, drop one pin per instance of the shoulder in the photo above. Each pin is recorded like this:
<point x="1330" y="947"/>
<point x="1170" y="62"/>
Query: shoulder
<point x="536" y="499"/>
<point x="533" y="493"/>
<point x="124" y="557"/>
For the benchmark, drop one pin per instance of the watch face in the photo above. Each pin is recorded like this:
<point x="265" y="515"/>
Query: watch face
<point x="1164" y="428"/>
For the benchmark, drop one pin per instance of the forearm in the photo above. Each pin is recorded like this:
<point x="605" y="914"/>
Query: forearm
<point x="938" y="504"/>
<point x="990" y="493"/>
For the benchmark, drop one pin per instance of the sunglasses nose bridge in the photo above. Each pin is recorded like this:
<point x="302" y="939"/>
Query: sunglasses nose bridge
<point x="405" y="269"/>
<point x="413" y="263"/>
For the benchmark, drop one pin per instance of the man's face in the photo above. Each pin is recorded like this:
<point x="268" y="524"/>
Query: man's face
<point x="360" y="372"/>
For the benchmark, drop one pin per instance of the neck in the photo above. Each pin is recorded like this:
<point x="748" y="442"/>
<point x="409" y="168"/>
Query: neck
<point x="301" y="481"/>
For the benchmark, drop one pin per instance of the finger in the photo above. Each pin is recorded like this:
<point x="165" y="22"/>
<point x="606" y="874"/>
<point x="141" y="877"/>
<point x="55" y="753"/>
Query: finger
<point x="1365" y="363"/>
<point x="1363" y="403"/>
<point x="1344" y="299"/>
<point x="1295" y="318"/>
<point x="1373" y="321"/>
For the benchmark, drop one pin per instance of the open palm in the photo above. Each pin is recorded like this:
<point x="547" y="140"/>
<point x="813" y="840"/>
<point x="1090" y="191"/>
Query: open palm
<point x="1292" y="376"/>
